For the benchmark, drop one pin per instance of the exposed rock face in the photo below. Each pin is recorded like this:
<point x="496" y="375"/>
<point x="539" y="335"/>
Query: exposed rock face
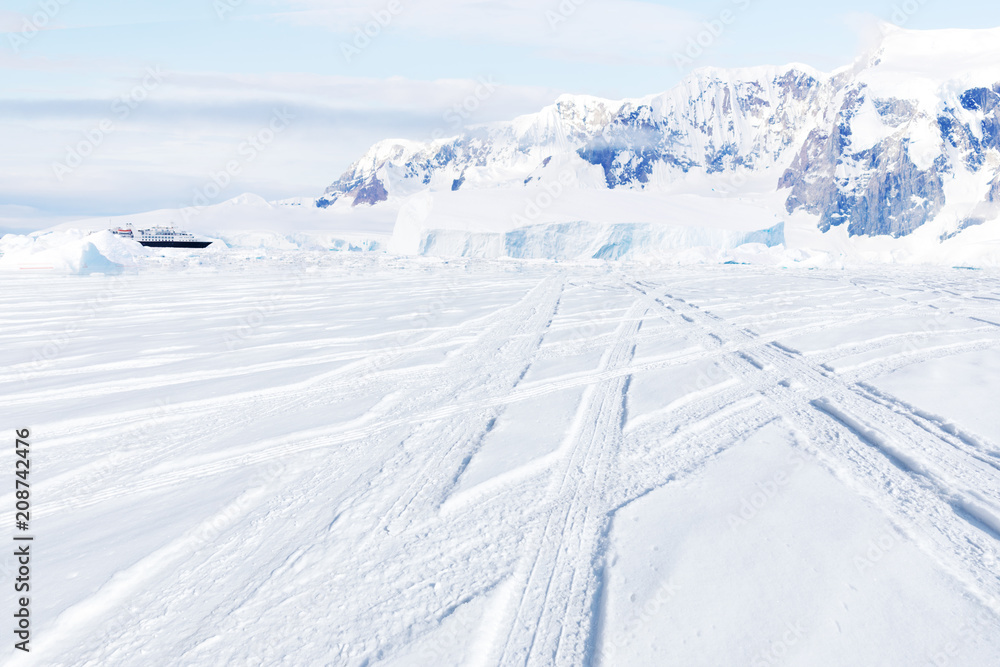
<point x="876" y="190"/>
<point x="714" y="121"/>
<point x="855" y="149"/>
<point x="993" y="196"/>
<point x="371" y="192"/>
<point x="977" y="135"/>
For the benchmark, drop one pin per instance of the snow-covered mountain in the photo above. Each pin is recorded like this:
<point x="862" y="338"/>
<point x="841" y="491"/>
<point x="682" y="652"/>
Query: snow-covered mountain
<point x="717" y="121"/>
<point x="906" y="137"/>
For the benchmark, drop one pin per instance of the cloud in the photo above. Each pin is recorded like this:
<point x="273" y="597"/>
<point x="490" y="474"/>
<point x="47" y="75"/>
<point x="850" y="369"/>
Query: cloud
<point x="869" y="29"/>
<point x="46" y="18"/>
<point x="35" y="63"/>
<point x="358" y="93"/>
<point x="579" y="30"/>
<point x="227" y="97"/>
<point x="191" y="125"/>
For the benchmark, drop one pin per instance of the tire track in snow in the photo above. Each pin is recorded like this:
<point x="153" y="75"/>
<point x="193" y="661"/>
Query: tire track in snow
<point x="974" y="445"/>
<point x="361" y="371"/>
<point x="286" y="589"/>
<point x="436" y="448"/>
<point x="961" y="547"/>
<point x="499" y="350"/>
<point x="139" y="473"/>
<point x="552" y="619"/>
<point x="408" y="485"/>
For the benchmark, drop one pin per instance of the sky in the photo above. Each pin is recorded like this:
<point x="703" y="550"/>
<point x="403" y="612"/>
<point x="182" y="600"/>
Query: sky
<point x="123" y="106"/>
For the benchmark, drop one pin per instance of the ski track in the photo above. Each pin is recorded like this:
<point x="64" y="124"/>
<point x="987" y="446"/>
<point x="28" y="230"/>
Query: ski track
<point x="367" y="485"/>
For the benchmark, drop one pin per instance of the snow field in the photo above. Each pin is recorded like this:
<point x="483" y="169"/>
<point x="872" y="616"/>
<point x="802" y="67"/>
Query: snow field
<point x="357" y="460"/>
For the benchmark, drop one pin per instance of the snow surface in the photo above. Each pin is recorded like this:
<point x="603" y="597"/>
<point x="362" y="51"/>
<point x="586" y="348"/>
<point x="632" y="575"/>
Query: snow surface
<point x="914" y="64"/>
<point x="698" y="572"/>
<point x="924" y="387"/>
<point x="311" y="458"/>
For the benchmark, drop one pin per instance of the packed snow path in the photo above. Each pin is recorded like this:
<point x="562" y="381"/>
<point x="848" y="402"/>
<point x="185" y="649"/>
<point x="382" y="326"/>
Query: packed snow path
<point x="359" y="461"/>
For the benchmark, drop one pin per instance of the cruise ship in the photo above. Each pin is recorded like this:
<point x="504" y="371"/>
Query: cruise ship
<point x="161" y="237"/>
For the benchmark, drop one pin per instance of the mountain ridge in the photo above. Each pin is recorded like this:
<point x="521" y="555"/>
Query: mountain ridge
<point x="906" y="135"/>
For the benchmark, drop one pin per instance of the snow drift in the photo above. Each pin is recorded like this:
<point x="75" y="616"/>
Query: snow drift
<point x="78" y="256"/>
